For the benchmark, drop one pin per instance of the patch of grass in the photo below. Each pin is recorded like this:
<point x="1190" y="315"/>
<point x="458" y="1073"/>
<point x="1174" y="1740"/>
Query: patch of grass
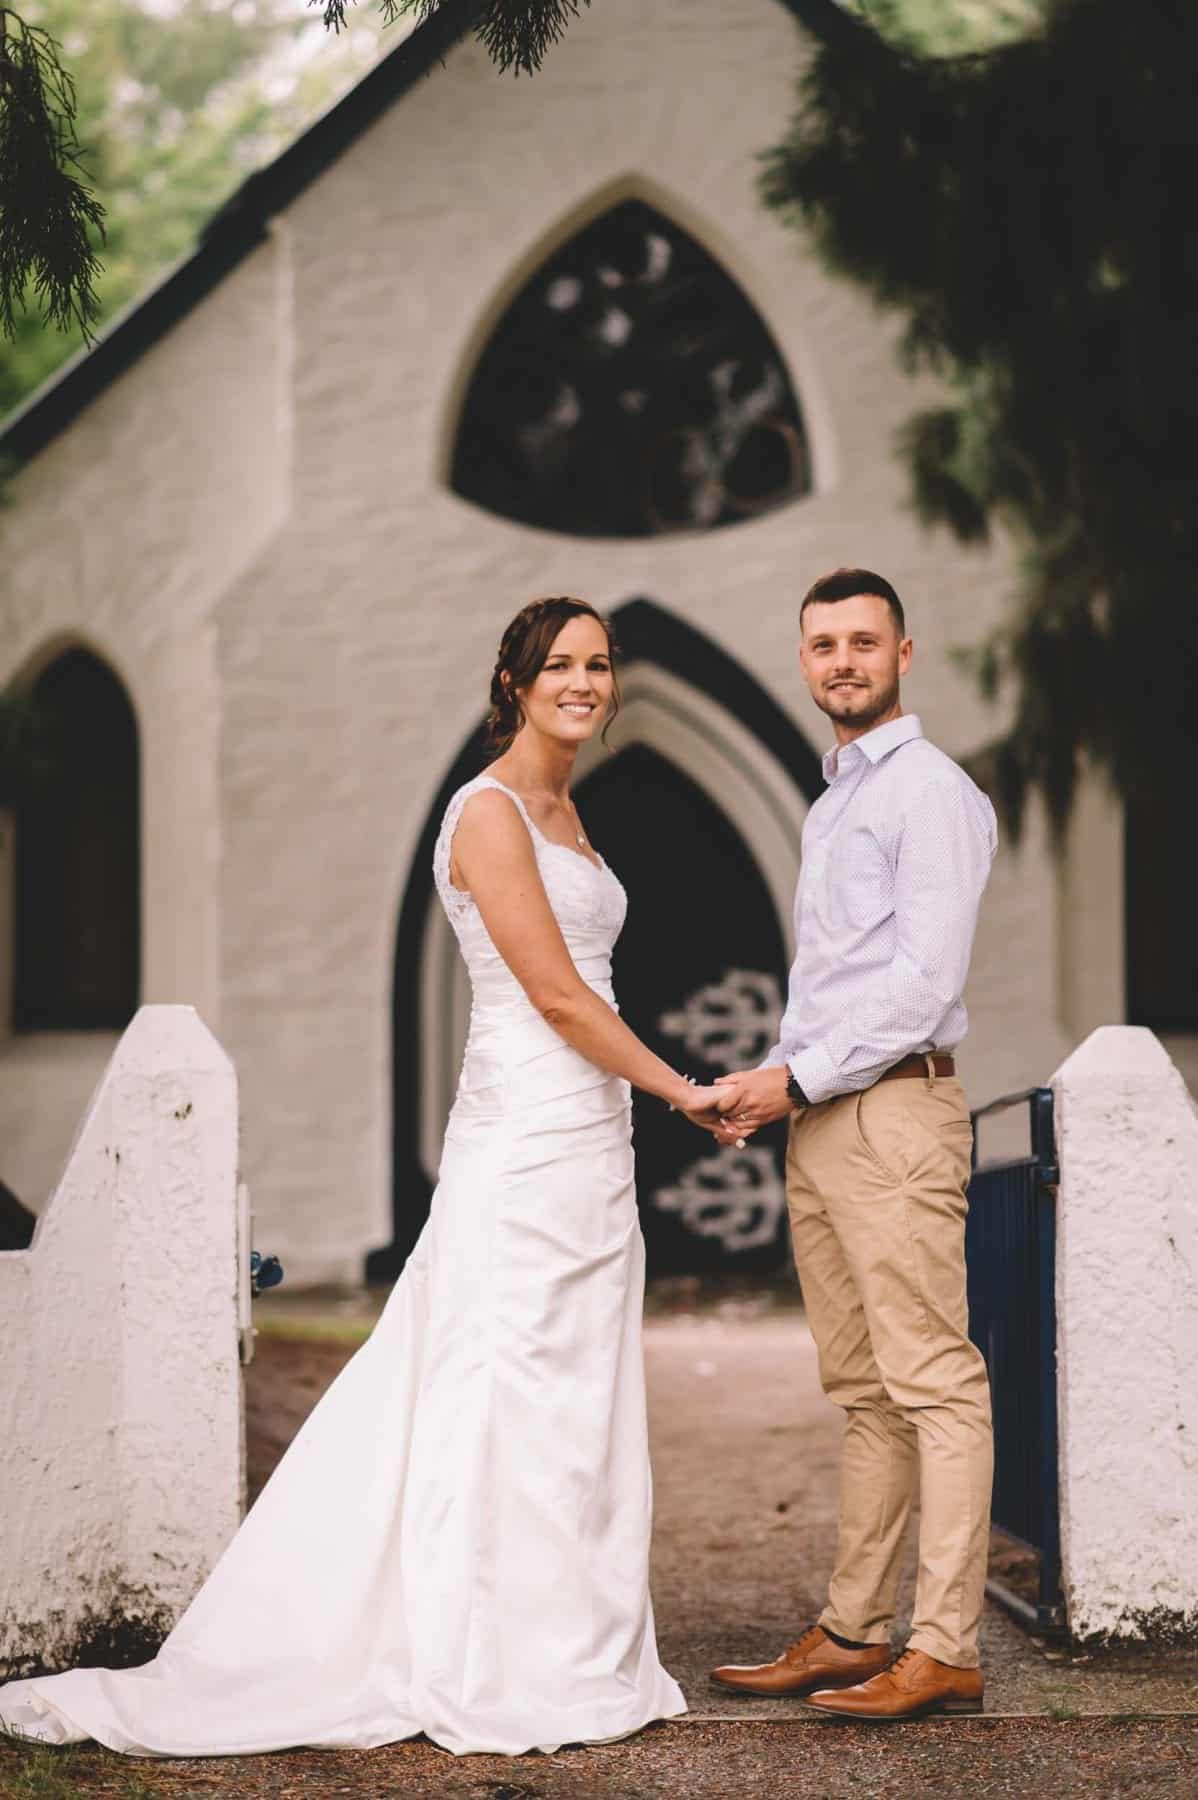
<point x="32" y="1771"/>
<point x="316" y="1331"/>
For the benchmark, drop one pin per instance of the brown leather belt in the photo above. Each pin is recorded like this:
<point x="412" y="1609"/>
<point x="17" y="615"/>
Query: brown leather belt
<point x="916" y="1065"/>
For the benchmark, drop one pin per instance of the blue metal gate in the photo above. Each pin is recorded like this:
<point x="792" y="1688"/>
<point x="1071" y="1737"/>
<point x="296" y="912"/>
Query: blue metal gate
<point x="1010" y="1247"/>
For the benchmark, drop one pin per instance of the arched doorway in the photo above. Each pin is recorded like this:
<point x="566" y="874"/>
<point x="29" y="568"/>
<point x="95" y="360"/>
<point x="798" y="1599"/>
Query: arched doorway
<point x="78" y="913"/>
<point x="700" y="972"/>
<point x="710" y="722"/>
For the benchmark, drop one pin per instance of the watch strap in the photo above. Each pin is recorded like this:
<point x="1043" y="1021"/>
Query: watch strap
<point x="794" y="1092"/>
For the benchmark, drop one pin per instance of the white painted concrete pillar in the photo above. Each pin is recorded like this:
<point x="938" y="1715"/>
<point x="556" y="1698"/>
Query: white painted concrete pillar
<point x="1127" y="1325"/>
<point x="121" y="1404"/>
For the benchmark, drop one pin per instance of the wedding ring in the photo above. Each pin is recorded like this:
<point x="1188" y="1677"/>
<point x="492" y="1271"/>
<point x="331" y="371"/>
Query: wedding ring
<point x="740" y="1143"/>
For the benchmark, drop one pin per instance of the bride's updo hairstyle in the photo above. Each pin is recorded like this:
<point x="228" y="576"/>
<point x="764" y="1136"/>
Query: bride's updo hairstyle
<point x="523" y="652"/>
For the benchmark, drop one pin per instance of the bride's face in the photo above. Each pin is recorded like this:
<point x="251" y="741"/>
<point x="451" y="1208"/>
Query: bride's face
<point x="571" y="697"/>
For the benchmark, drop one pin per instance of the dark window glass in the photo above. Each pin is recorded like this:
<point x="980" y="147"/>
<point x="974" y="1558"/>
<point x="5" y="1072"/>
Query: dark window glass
<point x="1162" y="946"/>
<point x="631" y="389"/>
<point x="77" y="877"/>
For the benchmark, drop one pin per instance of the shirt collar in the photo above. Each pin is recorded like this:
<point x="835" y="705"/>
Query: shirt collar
<point x="874" y="745"/>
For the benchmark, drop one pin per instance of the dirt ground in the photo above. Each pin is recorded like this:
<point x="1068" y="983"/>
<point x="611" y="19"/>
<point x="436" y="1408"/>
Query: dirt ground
<point x="745" y="1454"/>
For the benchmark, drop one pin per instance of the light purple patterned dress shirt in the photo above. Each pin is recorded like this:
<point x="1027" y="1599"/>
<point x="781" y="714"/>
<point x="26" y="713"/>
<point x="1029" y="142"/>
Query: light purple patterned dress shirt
<point x="896" y="855"/>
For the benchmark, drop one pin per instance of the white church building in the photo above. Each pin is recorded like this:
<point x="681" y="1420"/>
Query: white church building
<point x="468" y="341"/>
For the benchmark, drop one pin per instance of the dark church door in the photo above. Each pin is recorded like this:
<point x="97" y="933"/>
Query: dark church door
<point x="700" y="974"/>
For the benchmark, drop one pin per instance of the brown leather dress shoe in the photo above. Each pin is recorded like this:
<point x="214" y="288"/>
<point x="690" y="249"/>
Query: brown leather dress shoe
<point x="814" y="1662"/>
<point x="914" y="1686"/>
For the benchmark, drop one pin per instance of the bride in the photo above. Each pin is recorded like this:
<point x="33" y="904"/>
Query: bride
<point x="457" y="1541"/>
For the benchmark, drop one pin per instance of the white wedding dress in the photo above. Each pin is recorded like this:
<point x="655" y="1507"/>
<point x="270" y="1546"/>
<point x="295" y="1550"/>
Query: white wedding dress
<point x="457" y="1541"/>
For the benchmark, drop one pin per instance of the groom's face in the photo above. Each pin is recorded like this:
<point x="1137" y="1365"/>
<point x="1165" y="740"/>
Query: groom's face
<point x="853" y="658"/>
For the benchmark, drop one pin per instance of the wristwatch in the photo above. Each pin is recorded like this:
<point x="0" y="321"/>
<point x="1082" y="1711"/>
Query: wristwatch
<point x="794" y="1092"/>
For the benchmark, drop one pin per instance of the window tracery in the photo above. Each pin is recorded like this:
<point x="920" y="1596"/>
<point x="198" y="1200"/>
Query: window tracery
<point x="631" y="389"/>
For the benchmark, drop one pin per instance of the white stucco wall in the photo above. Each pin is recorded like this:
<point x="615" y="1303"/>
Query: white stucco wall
<point x="376" y="713"/>
<point x="306" y="616"/>
<point x="120" y="1408"/>
<point x="46" y="1081"/>
<point x="121" y="535"/>
<point x="1127" y="1333"/>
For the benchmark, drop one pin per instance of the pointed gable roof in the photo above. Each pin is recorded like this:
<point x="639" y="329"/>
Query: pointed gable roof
<point x="241" y="223"/>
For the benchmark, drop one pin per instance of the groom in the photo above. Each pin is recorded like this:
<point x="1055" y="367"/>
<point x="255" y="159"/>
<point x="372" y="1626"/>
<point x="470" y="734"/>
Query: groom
<point x="896" y="854"/>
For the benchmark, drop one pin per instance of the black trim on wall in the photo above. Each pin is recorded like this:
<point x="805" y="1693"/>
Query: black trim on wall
<point x="645" y="632"/>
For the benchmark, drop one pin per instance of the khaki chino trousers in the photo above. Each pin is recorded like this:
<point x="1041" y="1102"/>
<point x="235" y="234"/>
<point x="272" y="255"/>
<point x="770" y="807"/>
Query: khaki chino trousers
<point x="876" y="1192"/>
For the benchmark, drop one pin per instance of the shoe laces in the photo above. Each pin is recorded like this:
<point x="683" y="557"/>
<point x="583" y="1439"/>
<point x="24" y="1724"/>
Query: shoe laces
<point x="903" y="1661"/>
<point x="794" y="1652"/>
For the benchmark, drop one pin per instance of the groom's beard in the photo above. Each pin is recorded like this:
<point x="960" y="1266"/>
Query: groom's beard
<point x="859" y="705"/>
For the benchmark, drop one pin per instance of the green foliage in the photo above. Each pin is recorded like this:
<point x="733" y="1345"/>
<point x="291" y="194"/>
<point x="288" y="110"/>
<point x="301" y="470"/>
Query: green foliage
<point x="32" y="1771"/>
<point x="1012" y="177"/>
<point x="175" y="106"/>
<point x="48" y="218"/>
<point x="1029" y="213"/>
<point x="948" y="27"/>
<point x="518" y="34"/>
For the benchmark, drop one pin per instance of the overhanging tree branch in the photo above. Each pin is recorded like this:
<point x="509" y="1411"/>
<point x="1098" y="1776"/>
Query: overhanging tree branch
<point x="49" y="219"/>
<point x="518" y="34"/>
<point x="1028" y="213"/>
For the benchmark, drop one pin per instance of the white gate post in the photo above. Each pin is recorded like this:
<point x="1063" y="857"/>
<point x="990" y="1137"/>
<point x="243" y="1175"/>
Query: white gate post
<point x="1127" y="1338"/>
<point x="121" y="1405"/>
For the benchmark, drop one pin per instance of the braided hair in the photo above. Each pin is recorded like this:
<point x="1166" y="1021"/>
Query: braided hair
<point x="523" y="652"/>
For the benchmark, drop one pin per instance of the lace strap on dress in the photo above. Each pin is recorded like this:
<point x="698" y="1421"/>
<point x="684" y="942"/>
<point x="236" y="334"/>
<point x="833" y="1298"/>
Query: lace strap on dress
<point x="454" y="898"/>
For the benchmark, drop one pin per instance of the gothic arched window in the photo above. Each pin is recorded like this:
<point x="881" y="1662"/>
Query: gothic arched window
<point x="77" y="859"/>
<point x="631" y="388"/>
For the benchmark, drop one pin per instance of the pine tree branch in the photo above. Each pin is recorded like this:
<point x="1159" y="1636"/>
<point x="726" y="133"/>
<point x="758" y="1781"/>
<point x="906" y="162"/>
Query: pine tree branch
<point x="1012" y="207"/>
<point x="49" y="219"/>
<point x="517" y="34"/>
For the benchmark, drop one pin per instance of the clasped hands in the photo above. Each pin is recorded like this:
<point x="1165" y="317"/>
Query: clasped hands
<point x="737" y="1105"/>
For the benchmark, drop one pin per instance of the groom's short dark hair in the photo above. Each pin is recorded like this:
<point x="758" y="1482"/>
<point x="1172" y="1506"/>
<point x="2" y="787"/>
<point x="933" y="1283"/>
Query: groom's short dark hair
<point x="842" y="584"/>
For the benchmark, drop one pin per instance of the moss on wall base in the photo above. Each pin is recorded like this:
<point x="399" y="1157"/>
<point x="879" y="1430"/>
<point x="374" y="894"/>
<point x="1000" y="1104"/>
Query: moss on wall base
<point x="1141" y="1634"/>
<point x="128" y="1633"/>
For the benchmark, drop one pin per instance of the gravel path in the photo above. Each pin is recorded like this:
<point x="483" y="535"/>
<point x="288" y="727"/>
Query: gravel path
<point x="745" y="1455"/>
<point x="745" y="1451"/>
<point x="726" y="1760"/>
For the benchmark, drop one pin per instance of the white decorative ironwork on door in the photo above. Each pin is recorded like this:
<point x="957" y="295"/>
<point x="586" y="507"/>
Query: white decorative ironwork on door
<point x="735" y="1196"/>
<point x="731" y="1023"/>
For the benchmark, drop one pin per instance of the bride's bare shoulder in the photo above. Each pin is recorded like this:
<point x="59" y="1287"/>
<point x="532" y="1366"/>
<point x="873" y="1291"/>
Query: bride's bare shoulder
<point x="491" y="819"/>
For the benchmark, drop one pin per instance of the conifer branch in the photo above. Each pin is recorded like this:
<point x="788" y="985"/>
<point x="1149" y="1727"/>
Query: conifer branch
<point x="49" y="218"/>
<point x="1013" y="217"/>
<point x="517" y="34"/>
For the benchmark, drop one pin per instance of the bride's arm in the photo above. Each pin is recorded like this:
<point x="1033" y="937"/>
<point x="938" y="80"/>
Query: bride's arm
<point x="493" y="858"/>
